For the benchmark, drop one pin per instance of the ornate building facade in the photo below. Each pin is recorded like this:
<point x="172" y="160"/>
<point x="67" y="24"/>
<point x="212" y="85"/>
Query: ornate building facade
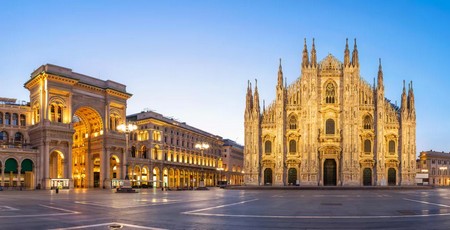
<point x="330" y="127"/>
<point x="437" y="165"/>
<point x="163" y="152"/>
<point x="67" y="136"/>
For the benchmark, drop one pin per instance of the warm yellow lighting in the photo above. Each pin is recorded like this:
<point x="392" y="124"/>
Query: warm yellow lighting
<point x="202" y="146"/>
<point x="115" y="167"/>
<point x="126" y="128"/>
<point x="86" y="135"/>
<point x="101" y="132"/>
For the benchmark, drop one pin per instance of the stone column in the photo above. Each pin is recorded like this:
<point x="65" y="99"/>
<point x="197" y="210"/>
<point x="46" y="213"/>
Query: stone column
<point x="102" y="168"/>
<point x="107" y="181"/>
<point x="3" y="175"/>
<point x="69" y="165"/>
<point x="19" y="168"/>
<point x="45" y="160"/>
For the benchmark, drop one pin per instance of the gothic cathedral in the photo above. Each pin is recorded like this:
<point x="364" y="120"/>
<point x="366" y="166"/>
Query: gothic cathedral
<point x="330" y="128"/>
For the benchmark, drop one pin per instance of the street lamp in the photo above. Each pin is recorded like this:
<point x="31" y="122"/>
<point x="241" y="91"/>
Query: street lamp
<point x="127" y="129"/>
<point x="202" y="146"/>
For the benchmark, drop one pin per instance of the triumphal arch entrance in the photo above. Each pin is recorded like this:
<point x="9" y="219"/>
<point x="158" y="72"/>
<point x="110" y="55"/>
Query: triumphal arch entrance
<point x="74" y="120"/>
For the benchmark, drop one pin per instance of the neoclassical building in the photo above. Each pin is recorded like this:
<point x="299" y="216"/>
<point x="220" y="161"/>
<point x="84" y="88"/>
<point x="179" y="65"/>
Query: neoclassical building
<point x="67" y="136"/>
<point x="330" y="127"/>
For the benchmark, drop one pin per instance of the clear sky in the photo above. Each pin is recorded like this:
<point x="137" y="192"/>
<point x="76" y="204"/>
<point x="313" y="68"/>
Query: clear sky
<point x="191" y="60"/>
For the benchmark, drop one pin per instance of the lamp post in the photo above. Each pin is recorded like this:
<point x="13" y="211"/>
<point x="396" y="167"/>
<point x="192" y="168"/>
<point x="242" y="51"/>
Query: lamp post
<point x="127" y="129"/>
<point x="202" y="146"/>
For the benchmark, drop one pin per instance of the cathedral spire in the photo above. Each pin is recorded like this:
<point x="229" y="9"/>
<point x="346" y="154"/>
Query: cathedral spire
<point x="411" y="98"/>
<point x="256" y="98"/>
<point x="313" y="55"/>
<point x="280" y="75"/>
<point x="249" y="97"/>
<point x="346" y="54"/>
<point x="380" y="76"/>
<point x="355" y="61"/>
<point x="404" y="105"/>
<point x="305" y="59"/>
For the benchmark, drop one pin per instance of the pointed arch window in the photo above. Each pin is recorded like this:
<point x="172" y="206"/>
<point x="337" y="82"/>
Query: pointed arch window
<point x="292" y="146"/>
<point x="330" y="93"/>
<point x="392" y="147"/>
<point x="292" y="122"/>
<point x="367" y="123"/>
<point x="330" y="127"/>
<point x="367" y="146"/>
<point x="268" y="147"/>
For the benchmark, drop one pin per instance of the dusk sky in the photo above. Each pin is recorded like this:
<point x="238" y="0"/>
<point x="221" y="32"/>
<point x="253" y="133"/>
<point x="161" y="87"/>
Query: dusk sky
<point x="191" y="60"/>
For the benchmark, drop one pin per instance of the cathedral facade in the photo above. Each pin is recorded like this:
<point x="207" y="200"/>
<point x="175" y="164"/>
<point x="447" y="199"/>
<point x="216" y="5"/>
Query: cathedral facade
<point x="330" y="127"/>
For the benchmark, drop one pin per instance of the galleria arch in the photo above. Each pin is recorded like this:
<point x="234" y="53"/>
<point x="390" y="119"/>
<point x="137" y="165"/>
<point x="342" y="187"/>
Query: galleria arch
<point x="74" y="128"/>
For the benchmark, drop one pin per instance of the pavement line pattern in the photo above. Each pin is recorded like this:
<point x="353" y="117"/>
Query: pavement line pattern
<point x="143" y="204"/>
<point x="108" y="224"/>
<point x="67" y="212"/>
<point x="425" y="202"/>
<point x="7" y="208"/>
<point x="197" y="213"/>
<point x="216" y="207"/>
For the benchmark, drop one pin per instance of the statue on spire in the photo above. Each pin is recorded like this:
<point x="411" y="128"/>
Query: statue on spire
<point x="355" y="61"/>
<point x="346" y="54"/>
<point x="313" y="55"/>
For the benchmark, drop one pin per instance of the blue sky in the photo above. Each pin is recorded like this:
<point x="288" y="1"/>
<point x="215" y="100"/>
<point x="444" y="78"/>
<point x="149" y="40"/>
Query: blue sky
<point x="191" y="59"/>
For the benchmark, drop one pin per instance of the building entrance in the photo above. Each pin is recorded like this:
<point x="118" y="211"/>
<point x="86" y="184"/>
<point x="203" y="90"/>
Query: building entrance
<point x="292" y="176"/>
<point x="392" y="177"/>
<point x="329" y="172"/>
<point x="367" y="177"/>
<point x="268" y="177"/>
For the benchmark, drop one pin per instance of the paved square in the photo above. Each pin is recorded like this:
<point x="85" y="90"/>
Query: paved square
<point x="226" y="209"/>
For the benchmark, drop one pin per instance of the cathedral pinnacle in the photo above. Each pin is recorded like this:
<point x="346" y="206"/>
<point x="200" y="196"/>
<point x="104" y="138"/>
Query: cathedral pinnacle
<point x="346" y="54"/>
<point x="355" y="61"/>
<point x="305" y="59"/>
<point x="313" y="55"/>
<point x="380" y="75"/>
<point x="280" y="75"/>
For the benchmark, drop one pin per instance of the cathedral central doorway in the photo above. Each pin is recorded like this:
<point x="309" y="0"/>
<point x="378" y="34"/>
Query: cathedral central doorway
<point x="367" y="177"/>
<point x="391" y="176"/>
<point x="329" y="172"/>
<point x="268" y="176"/>
<point x="292" y="176"/>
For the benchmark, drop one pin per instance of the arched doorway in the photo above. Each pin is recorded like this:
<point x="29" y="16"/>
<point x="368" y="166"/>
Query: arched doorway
<point x="144" y="177"/>
<point x="156" y="177"/>
<point x="11" y="172"/>
<point x="292" y="176"/>
<point x="268" y="176"/>
<point x="367" y="177"/>
<point x="87" y="150"/>
<point x="27" y="174"/>
<point x="392" y="177"/>
<point x="56" y="165"/>
<point x="329" y="172"/>
<point x="114" y="167"/>
<point x="136" y="179"/>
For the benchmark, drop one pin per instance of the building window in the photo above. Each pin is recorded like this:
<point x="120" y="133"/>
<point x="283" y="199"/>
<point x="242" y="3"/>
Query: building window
<point x="330" y="93"/>
<point x="367" y="123"/>
<point x="7" y="118"/>
<point x="329" y="127"/>
<point x="18" y="138"/>
<point x="22" y="120"/>
<point x="268" y="147"/>
<point x="391" y="147"/>
<point x="293" y="122"/>
<point x="15" y="119"/>
<point x="1" y="118"/>
<point x="367" y="146"/>
<point x="292" y="146"/>
<point x="3" y="137"/>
